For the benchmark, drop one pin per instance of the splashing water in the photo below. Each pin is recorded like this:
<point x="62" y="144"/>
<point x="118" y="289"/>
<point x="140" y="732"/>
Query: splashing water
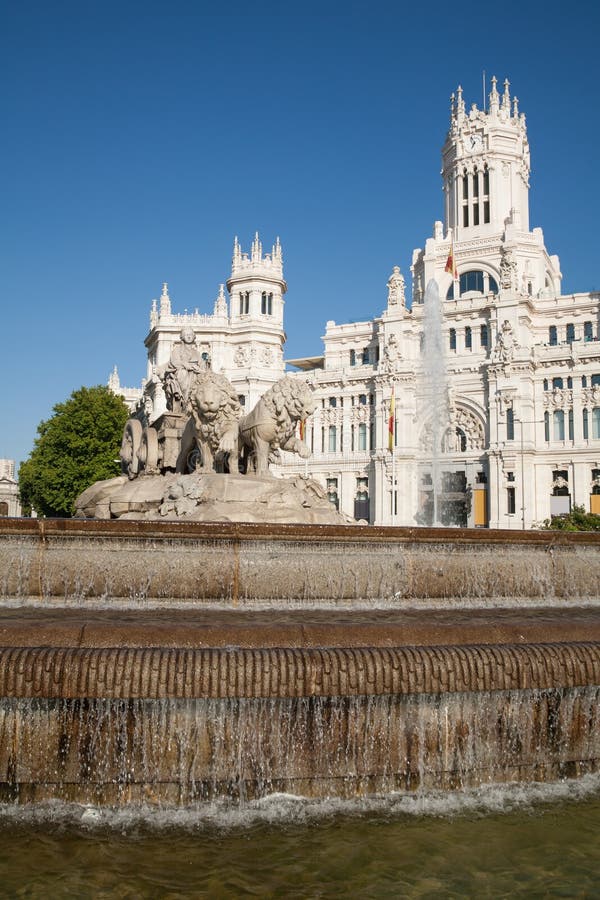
<point x="435" y="386"/>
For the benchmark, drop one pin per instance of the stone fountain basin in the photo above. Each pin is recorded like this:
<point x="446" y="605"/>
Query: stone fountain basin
<point x="176" y="663"/>
<point x="139" y="563"/>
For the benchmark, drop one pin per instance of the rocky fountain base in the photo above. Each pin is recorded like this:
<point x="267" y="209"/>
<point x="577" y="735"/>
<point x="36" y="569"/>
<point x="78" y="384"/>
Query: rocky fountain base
<point x="173" y="662"/>
<point x="209" y="498"/>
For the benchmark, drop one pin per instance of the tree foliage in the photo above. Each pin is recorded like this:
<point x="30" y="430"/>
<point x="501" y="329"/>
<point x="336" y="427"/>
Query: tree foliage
<point x="77" y="446"/>
<point x="577" y="520"/>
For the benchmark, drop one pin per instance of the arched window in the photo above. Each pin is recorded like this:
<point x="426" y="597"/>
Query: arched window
<point x="266" y="304"/>
<point x="486" y="196"/>
<point x="474" y="280"/>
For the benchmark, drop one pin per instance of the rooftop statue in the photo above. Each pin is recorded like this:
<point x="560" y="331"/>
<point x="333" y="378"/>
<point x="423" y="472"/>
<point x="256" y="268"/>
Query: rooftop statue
<point x="178" y="375"/>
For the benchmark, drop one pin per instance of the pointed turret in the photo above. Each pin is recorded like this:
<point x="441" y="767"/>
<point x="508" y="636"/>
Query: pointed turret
<point x="460" y="104"/>
<point x="256" y="252"/>
<point x="221" y="303"/>
<point x="506" y="97"/>
<point x="237" y="250"/>
<point x="494" y="98"/>
<point x="114" y="382"/>
<point x="165" y="300"/>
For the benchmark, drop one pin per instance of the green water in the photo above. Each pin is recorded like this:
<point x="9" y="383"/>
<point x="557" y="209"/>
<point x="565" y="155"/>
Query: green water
<point x="537" y="841"/>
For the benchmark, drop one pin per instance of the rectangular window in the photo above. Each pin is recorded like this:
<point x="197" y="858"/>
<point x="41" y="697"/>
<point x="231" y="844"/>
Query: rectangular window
<point x="596" y="423"/>
<point x="510" y="501"/>
<point x="465" y="216"/>
<point x="362" y="436"/>
<point x="595" y="381"/>
<point x="510" y="425"/>
<point x="353" y="357"/>
<point x="586" y="429"/>
<point x="365" y="356"/>
<point x="571" y="426"/>
<point x="244" y="303"/>
<point x="468" y="337"/>
<point x="476" y="214"/>
<point x="547" y="426"/>
<point x="558" y="419"/>
<point x="483" y="335"/>
<point x="453" y="338"/>
<point x="557" y="383"/>
<point x="552" y="336"/>
<point x="588" y="331"/>
<point x="332" y="492"/>
<point x="332" y="438"/>
<point x="486" y="212"/>
<point x="570" y="332"/>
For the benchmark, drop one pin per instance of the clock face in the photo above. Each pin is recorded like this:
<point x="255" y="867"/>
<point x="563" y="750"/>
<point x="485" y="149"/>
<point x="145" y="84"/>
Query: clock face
<point x="473" y="143"/>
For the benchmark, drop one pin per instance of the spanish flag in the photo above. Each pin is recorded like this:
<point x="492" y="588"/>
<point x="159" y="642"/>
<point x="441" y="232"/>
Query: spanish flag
<point x="302" y="428"/>
<point x="392" y="421"/>
<point x="450" y="264"/>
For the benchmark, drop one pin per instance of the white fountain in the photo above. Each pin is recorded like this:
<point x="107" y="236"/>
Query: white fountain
<point x="435" y="384"/>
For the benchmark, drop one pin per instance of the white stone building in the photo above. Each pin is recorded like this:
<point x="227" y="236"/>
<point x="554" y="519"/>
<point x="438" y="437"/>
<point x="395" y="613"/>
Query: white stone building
<point x="508" y="430"/>
<point x="10" y="504"/>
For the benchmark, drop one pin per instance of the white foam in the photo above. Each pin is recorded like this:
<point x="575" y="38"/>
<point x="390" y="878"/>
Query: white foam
<point x="285" y="809"/>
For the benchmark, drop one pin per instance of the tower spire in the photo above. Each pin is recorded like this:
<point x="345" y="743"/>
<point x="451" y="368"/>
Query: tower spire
<point x="494" y="97"/>
<point x="460" y="103"/>
<point x="506" y="96"/>
<point x="165" y="300"/>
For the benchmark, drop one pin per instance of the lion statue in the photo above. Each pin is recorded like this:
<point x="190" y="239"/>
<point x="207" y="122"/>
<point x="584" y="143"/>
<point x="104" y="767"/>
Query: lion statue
<point x="213" y="427"/>
<point x="271" y="425"/>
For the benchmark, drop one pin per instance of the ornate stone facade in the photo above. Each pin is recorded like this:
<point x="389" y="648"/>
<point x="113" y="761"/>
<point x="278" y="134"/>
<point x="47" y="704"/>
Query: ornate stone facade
<point x="520" y="436"/>
<point x="9" y="489"/>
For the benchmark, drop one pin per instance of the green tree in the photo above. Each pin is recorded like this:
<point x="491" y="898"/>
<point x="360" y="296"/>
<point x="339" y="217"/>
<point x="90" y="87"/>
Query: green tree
<point x="577" y="520"/>
<point x="77" y="446"/>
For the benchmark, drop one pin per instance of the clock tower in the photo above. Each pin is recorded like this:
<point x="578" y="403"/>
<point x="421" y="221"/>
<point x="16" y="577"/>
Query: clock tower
<point x="485" y="166"/>
<point x="485" y="180"/>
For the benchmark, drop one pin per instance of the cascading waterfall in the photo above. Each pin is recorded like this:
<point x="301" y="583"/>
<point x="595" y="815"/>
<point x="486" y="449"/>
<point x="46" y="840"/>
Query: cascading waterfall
<point x="108" y="699"/>
<point x="186" y="751"/>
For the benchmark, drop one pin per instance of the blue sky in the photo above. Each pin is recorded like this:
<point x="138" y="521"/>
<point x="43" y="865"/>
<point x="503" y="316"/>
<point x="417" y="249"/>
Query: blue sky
<point x="139" y="138"/>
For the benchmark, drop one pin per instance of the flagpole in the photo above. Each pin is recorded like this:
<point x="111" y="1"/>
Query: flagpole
<point x="393" y="485"/>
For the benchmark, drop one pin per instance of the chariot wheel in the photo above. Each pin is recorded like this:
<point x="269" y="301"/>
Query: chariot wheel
<point x="148" y="451"/>
<point x="193" y="461"/>
<point x="130" y="447"/>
